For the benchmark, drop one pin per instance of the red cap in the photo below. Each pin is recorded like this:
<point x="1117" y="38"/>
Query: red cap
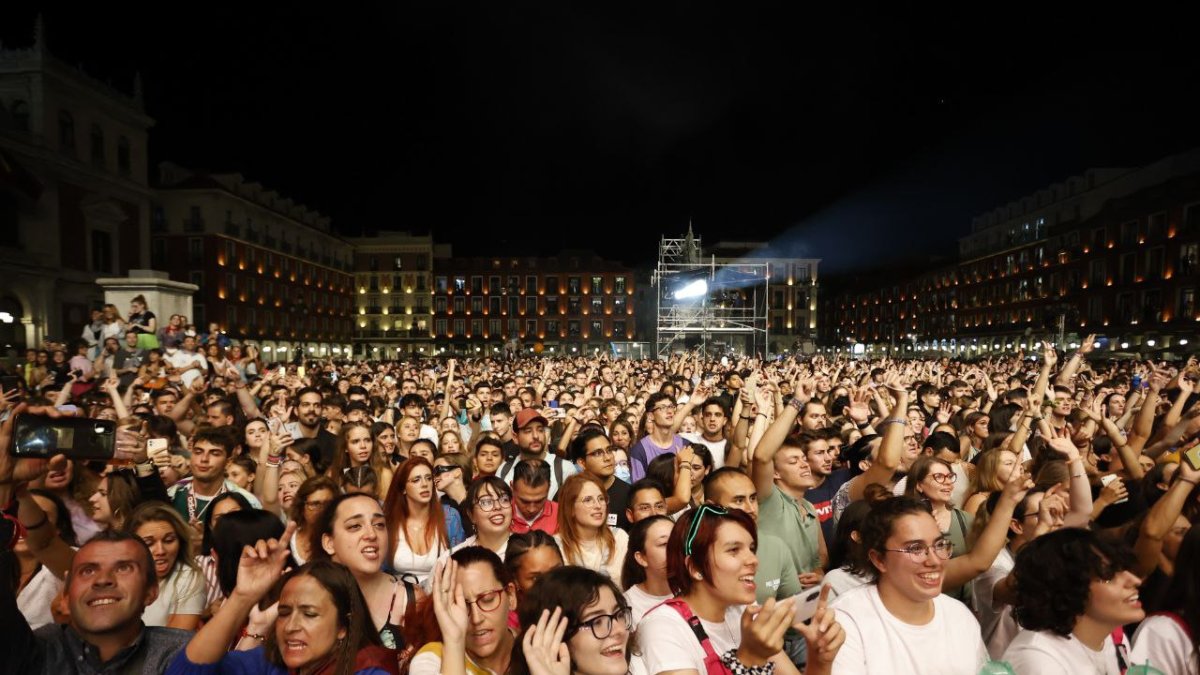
<point x="527" y="415"/>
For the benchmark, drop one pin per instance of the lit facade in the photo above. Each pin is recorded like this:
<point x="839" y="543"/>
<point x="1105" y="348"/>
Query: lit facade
<point x="270" y="271"/>
<point x="393" y="276"/>
<point x="571" y="303"/>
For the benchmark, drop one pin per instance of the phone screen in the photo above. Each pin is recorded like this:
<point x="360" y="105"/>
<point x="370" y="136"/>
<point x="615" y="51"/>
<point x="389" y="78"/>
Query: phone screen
<point x="75" y="437"/>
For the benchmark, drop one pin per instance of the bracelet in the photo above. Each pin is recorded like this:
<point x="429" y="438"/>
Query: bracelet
<point x="1081" y="475"/>
<point x="256" y="636"/>
<point x="731" y="661"/>
<point x="747" y="417"/>
<point x="274" y="460"/>
<point x="797" y="404"/>
<point x="1182" y="479"/>
<point x="887" y="422"/>
<point x="862" y="426"/>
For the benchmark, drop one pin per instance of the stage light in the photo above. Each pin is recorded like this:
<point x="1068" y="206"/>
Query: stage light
<point x="693" y="289"/>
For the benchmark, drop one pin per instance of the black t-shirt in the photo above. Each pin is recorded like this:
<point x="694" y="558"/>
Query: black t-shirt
<point x="618" y="501"/>
<point x="511" y="449"/>
<point x="822" y="500"/>
<point x="327" y="442"/>
<point x="144" y="318"/>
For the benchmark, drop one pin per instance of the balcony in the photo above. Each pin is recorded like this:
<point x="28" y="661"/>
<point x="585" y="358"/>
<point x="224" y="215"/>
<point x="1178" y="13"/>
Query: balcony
<point x="252" y="235"/>
<point x="376" y="309"/>
<point x="285" y="247"/>
<point x="191" y="224"/>
<point x="233" y="229"/>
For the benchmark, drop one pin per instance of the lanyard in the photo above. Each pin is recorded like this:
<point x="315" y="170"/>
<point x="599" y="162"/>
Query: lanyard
<point x="191" y="501"/>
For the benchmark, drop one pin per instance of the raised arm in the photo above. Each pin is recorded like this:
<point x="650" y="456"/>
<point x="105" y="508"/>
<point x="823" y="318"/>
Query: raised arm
<point x="450" y="390"/>
<point x="994" y="536"/>
<point x="1161" y="519"/>
<point x="699" y="395"/>
<point x="1072" y="366"/>
<point x="1080" y="513"/>
<point x="887" y="459"/>
<point x="260" y="567"/>
<point x="763" y="460"/>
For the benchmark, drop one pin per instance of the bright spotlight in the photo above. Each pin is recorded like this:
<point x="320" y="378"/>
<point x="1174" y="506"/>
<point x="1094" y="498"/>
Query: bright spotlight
<point x="694" y="289"/>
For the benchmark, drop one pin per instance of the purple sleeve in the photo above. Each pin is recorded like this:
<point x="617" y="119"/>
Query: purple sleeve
<point x="637" y="462"/>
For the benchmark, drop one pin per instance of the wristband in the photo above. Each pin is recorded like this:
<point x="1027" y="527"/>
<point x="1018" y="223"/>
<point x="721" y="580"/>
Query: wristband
<point x="735" y="666"/>
<point x="862" y="426"/>
<point x="274" y="460"/>
<point x="887" y="422"/>
<point x="143" y="469"/>
<point x="247" y="634"/>
<point x="797" y="404"/>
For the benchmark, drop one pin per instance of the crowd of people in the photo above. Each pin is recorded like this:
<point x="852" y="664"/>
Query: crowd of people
<point x="1021" y="514"/>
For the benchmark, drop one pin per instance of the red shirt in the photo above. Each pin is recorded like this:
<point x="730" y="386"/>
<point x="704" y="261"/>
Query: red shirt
<point x="546" y="521"/>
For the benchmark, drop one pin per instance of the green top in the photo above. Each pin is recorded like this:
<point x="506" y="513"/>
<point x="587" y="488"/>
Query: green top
<point x="776" y="577"/>
<point x="794" y="521"/>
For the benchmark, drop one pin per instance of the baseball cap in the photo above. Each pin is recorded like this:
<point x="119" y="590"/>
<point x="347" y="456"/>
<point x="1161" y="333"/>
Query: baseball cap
<point x="527" y="415"/>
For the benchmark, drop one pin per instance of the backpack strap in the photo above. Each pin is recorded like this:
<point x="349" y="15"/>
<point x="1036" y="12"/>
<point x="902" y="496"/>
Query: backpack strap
<point x="558" y="471"/>
<point x="712" y="661"/>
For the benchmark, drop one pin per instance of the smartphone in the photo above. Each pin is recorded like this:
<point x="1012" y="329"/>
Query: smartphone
<point x="9" y="382"/>
<point x="806" y="603"/>
<point x="1105" y="480"/>
<point x="76" y="437"/>
<point x="300" y="371"/>
<point x="155" y="446"/>
<point x="553" y="403"/>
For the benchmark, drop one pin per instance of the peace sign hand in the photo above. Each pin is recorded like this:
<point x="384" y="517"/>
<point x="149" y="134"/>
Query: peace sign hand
<point x="823" y="633"/>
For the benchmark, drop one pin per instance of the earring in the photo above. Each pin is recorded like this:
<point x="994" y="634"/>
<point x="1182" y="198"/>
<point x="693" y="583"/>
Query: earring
<point x="699" y="577"/>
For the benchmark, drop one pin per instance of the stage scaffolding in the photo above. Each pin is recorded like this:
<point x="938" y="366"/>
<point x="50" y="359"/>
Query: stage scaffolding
<point x="730" y="318"/>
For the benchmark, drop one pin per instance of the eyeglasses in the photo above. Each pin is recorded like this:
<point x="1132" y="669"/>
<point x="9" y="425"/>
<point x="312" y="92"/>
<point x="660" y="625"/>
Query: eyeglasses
<point x="602" y="452"/>
<point x="918" y="552"/>
<point x="493" y="503"/>
<point x="664" y="408"/>
<point x="447" y="468"/>
<point x="486" y="602"/>
<point x="600" y="500"/>
<point x="695" y="526"/>
<point x="316" y="504"/>
<point x="602" y="626"/>
<point x="943" y="478"/>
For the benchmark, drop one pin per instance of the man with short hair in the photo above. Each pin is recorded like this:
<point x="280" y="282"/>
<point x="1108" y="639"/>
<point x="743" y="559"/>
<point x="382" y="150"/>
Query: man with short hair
<point x="128" y="360"/>
<point x="109" y="586"/>
<point x="645" y="499"/>
<point x="826" y="480"/>
<point x="308" y="424"/>
<point x="532" y="508"/>
<point x="211" y="448"/>
<point x="661" y="440"/>
<point x="532" y="441"/>
<point x="219" y="413"/>
<point x="188" y="365"/>
<point x="713" y="432"/>
<point x="592" y="453"/>
<point x="781" y="476"/>
<point x="164" y="401"/>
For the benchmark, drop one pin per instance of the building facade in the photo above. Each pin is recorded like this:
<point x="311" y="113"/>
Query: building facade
<point x="393" y="276"/>
<point x="1112" y="252"/>
<point x="571" y="303"/>
<point x="74" y="197"/>
<point x="270" y="271"/>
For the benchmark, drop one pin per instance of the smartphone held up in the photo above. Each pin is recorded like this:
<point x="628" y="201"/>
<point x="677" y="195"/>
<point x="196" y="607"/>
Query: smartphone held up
<point x="42" y="437"/>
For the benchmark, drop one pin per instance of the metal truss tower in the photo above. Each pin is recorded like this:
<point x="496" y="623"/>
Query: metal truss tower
<point x="729" y="317"/>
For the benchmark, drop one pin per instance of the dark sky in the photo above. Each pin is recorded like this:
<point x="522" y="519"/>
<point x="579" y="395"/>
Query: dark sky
<point x="863" y="137"/>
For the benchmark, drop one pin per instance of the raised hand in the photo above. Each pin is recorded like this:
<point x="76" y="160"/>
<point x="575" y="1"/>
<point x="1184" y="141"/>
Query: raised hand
<point x="449" y="605"/>
<point x="1049" y="355"/>
<point x="1114" y="492"/>
<point x="823" y="633"/>
<point x="860" y="410"/>
<point x="1088" y="344"/>
<point x="763" y="629"/>
<point x="261" y="565"/>
<point x="545" y="651"/>
<point x="944" y="412"/>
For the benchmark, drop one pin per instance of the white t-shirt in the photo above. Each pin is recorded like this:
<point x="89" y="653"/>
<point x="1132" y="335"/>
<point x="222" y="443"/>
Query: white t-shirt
<point x="717" y="448"/>
<point x="38" y="595"/>
<point x="595" y="557"/>
<point x="842" y="581"/>
<point x="183" y="592"/>
<point x="180" y="358"/>
<point x="668" y="643"/>
<point x="641" y="602"/>
<point x="877" y="642"/>
<point x="1162" y="642"/>
<point x="999" y="626"/>
<point x="1036" y="651"/>
<point x="420" y="566"/>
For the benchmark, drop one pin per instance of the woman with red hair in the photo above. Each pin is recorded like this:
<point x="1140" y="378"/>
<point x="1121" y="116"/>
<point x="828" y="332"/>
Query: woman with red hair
<point x="421" y="528"/>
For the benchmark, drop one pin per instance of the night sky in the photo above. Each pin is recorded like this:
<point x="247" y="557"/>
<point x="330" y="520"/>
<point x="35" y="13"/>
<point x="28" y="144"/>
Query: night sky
<point x="863" y="137"/>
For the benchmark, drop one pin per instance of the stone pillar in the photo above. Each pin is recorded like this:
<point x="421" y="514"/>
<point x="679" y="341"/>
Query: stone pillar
<point x="163" y="296"/>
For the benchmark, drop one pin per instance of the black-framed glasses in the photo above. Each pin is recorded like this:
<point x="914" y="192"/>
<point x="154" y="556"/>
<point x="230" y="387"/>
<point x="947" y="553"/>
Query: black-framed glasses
<point x="602" y="626"/>
<point x="919" y="552"/>
<point x="493" y="503"/>
<point x="602" y="452"/>
<point x="664" y="408"/>
<point x="486" y="602"/>
<point x="444" y="469"/>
